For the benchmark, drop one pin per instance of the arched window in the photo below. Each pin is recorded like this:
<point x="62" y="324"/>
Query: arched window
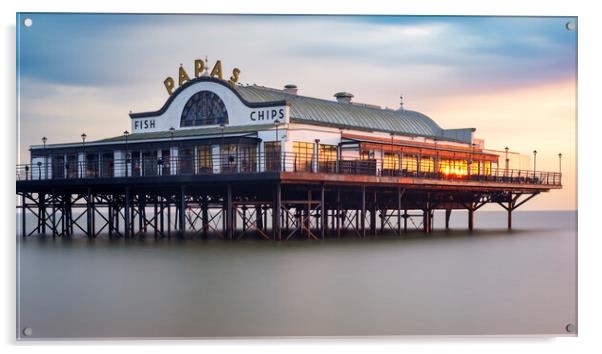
<point x="204" y="108"/>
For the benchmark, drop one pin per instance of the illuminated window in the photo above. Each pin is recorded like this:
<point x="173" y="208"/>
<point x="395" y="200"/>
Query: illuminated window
<point x="409" y="163"/>
<point x="303" y="155"/>
<point x="327" y="156"/>
<point x="427" y="164"/>
<point x="204" y="108"/>
<point x="453" y="167"/>
<point x="474" y="168"/>
<point x="486" y="167"/>
<point x="205" y="160"/>
<point x="391" y="161"/>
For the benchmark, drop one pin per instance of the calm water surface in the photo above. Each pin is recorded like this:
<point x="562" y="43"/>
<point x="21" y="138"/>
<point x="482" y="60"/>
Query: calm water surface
<point x="490" y="281"/>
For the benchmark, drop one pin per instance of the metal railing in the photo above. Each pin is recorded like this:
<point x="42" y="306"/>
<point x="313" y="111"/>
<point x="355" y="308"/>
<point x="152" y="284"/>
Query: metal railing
<point x="257" y="163"/>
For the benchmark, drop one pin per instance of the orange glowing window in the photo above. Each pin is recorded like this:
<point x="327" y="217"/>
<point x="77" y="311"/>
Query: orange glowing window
<point x="453" y="167"/>
<point x="409" y="163"/>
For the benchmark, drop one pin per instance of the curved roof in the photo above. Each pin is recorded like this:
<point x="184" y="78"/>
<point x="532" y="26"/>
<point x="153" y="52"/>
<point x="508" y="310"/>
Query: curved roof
<point x="315" y="110"/>
<point x="318" y="111"/>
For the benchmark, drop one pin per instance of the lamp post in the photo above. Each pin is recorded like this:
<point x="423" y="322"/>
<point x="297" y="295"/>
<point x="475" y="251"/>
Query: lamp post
<point x="277" y="124"/>
<point x="472" y="146"/>
<point x="84" y="168"/>
<point x="44" y="139"/>
<point x="534" y="162"/>
<point x="317" y="155"/>
<point x="126" y="134"/>
<point x="507" y="161"/>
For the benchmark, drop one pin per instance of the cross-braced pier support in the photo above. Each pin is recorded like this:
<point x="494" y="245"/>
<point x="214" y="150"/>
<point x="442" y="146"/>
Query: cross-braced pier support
<point x="271" y="210"/>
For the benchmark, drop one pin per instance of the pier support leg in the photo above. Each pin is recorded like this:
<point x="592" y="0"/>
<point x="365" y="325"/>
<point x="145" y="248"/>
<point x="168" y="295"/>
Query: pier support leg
<point x="89" y="213"/>
<point x="205" y="217"/>
<point x="276" y="210"/>
<point x="69" y="207"/>
<point x="141" y="213"/>
<point x="161" y="218"/>
<point x="42" y="213"/>
<point x="117" y="217"/>
<point x="169" y="218"/>
<point x="53" y="217"/>
<point x="373" y="215"/>
<point x="363" y="213"/>
<point x="182" y="215"/>
<point x="322" y="212"/>
<point x="126" y="213"/>
<point x="447" y="216"/>
<point x="338" y="213"/>
<point x="23" y="212"/>
<point x="111" y="217"/>
<point x="399" y="196"/>
<point x="471" y="217"/>
<point x="228" y="209"/>
<point x="155" y="217"/>
<point x="258" y="217"/>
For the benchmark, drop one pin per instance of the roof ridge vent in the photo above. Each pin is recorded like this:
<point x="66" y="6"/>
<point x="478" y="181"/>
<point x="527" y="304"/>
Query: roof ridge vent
<point x="291" y="89"/>
<point x="343" y="97"/>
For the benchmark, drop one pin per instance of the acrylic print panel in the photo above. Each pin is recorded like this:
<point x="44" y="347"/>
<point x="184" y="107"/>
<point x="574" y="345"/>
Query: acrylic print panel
<point x="190" y="176"/>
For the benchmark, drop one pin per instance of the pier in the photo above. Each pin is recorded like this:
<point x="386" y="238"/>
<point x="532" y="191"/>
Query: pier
<point x="273" y="201"/>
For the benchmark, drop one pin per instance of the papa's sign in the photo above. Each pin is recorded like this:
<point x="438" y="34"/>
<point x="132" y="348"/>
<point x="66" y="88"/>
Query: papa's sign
<point x="199" y="67"/>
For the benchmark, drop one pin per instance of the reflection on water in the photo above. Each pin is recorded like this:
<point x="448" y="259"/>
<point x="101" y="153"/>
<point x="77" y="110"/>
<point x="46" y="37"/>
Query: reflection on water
<point x="486" y="282"/>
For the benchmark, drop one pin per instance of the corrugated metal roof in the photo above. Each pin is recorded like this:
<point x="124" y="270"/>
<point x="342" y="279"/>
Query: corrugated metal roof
<point x="319" y="111"/>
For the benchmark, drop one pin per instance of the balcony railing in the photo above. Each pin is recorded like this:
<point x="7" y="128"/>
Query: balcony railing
<point x="258" y="163"/>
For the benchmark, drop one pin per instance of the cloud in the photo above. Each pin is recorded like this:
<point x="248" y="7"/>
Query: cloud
<point x="105" y="50"/>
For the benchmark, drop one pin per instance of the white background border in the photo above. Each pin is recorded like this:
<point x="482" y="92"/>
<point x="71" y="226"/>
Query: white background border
<point x="590" y="245"/>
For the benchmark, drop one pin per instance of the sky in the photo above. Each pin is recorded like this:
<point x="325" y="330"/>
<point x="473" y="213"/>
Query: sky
<point x="512" y="78"/>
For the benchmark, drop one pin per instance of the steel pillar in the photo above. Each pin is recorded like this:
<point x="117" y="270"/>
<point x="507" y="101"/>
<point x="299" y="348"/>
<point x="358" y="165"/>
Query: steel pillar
<point x="23" y="217"/>
<point x="126" y="213"/>
<point x="363" y="212"/>
<point x="276" y="210"/>
<point x="228" y="208"/>
<point x="322" y="212"/>
<point x="471" y="217"/>
<point x="182" y="215"/>
<point x="447" y="217"/>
